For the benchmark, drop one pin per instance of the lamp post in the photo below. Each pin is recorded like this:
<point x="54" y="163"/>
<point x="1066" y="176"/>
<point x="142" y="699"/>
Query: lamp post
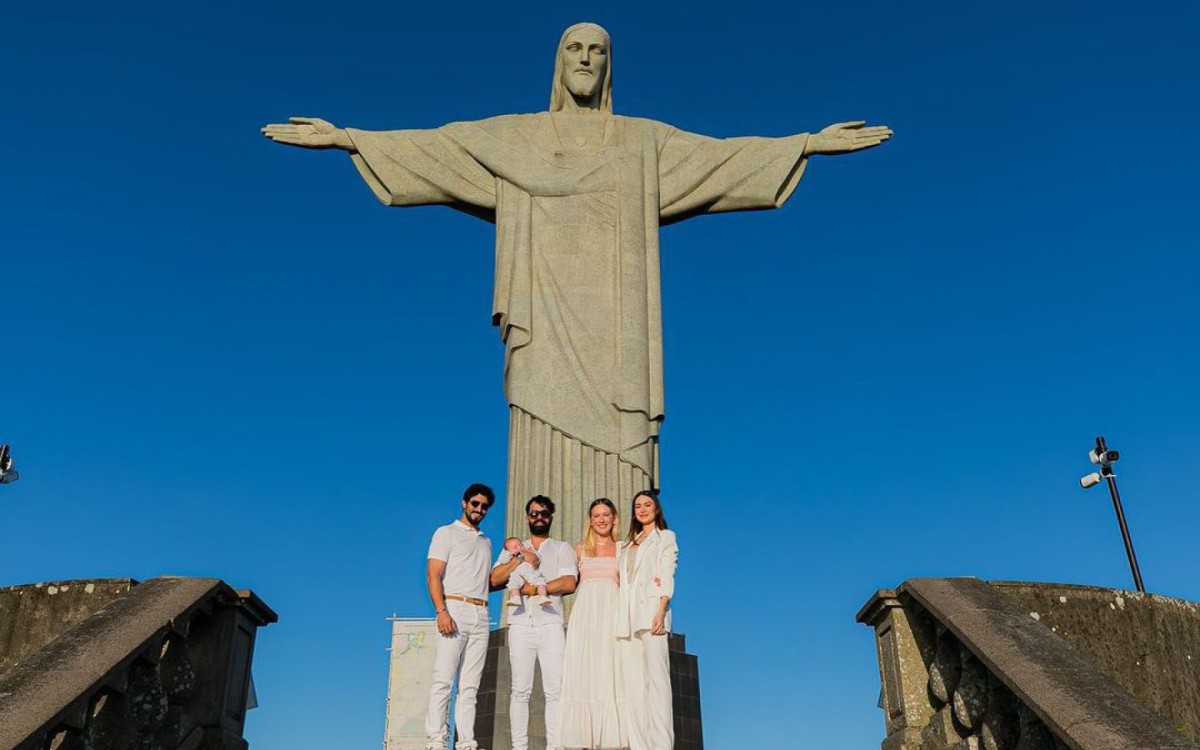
<point x="8" y="474"/>
<point x="1105" y="458"/>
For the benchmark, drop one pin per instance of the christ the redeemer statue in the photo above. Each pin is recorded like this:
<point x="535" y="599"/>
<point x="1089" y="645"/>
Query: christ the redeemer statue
<point x="577" y="195"/>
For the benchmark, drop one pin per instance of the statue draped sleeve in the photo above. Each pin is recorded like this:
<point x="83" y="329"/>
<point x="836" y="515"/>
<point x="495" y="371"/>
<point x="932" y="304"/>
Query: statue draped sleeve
<point x="423" y="167"/>
<point x="699" y="175"/>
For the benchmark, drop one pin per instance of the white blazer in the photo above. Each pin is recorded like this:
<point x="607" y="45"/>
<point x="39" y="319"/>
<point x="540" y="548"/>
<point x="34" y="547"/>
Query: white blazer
<point x="657" y="558"/>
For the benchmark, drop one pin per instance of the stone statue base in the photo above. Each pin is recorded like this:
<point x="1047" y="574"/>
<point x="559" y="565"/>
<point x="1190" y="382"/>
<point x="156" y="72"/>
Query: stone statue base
<point x="492" y="729"/>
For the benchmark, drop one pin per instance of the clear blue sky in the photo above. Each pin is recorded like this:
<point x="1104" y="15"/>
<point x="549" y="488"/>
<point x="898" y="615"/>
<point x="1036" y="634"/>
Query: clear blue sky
<point x="223" y="357"/>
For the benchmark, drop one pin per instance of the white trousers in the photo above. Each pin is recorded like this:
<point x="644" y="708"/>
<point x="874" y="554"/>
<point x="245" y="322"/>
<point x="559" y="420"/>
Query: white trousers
<point x="458" y="657"/>
<point x="646" y="675"/>
<point x="527" y="644"/>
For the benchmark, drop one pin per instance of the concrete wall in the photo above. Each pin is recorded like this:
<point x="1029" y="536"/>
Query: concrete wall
<point x="162" y="665"/>
<point x="1018" y="666"/>
<point x="35" y="614"/>
<point x="1148" y="644"/>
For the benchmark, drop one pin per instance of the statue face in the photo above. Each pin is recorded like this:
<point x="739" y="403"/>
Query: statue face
<point x="584" y="58"/>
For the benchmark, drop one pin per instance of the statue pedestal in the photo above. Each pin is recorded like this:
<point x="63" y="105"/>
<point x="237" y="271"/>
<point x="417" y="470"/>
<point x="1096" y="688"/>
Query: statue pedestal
<point x="492" y="729"/>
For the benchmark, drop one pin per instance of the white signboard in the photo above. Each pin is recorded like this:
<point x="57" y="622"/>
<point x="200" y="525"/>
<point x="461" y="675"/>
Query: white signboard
<point x="410" y="666"/>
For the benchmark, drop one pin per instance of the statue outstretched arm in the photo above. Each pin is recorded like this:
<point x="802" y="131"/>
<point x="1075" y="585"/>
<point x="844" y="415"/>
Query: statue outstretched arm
<point x="402" y="167"/>
<point x="846" y="137"/>
<point x="703" y="175"/>
<point x="700" y="175"/>
<point x="309" y="132"/>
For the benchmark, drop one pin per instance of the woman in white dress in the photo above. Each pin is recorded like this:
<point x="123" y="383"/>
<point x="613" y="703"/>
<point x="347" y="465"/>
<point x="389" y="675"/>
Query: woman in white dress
<point x="648" y="561"/>
<point x="593" y="705"/>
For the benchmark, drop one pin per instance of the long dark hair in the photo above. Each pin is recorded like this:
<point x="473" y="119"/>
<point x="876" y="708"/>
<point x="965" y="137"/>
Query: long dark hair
<point x="635" y="526"/>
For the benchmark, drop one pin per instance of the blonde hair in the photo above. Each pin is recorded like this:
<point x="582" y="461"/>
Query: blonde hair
<point x="558" y="90"/>
<point x="589" y="535"/>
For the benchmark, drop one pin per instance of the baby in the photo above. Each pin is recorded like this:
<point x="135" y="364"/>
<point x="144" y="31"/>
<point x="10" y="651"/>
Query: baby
<point x="525" y="573"/>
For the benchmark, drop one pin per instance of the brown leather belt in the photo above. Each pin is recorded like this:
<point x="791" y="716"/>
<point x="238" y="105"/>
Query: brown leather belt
<point x="467" y="599"/>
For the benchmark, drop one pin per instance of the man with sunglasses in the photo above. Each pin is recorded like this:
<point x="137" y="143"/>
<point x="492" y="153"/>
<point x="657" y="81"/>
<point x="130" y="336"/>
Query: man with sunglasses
<point x="536" y="634"/>
<point x="457" y="574"/>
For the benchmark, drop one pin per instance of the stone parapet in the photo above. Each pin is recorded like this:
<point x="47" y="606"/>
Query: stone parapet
<point x="1148" y="644"/>
<point x="32" y="616"/>
<point x="965" y="664"/>
<point x="163" y="664"/>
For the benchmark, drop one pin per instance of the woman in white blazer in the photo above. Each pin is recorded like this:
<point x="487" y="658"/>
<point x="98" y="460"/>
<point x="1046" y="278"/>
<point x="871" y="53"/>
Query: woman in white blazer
<point x="647" y="561"/>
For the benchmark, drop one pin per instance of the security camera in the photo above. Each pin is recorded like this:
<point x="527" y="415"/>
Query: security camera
<point x="1091" y="480"/>
<point x="7" y="473"/>
<point x="1103" y="458"/>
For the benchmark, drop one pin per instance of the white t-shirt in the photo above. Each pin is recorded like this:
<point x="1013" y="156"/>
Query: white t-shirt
<point x="558" y="560"/>
<point x="466" y="553"/>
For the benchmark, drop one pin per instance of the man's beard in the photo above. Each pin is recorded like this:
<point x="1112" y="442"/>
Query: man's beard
<point x="539" y="528"/>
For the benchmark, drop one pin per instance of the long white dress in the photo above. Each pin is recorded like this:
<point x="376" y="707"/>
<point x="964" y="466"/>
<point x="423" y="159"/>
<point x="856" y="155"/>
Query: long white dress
<point x="592" y="703"/>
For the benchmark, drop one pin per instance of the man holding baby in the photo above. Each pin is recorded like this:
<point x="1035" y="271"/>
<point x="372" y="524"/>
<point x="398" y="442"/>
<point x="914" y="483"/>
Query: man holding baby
<point x="535" y="624"/>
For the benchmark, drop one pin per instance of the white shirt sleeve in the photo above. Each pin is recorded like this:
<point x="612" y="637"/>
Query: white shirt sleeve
<point x="439" y="546"/>
<point x="668" y="562"/>
<point x="565" y="562"/>
<point x="505" y="557"/>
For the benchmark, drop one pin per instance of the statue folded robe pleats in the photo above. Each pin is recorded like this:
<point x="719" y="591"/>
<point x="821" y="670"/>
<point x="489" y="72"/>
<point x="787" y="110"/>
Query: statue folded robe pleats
<point x="577" y="292"/>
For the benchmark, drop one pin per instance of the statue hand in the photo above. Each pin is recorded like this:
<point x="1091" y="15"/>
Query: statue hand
<point x="309" y="132"/>
<point x="844" y="137"/>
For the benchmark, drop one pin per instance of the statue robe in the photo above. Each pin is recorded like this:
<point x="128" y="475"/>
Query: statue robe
<point x="577" y="293"/>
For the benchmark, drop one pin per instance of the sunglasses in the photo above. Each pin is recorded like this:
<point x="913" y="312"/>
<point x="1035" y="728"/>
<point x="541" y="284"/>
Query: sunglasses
<point x="539" y="514"/>
<point x="479" y="504"/>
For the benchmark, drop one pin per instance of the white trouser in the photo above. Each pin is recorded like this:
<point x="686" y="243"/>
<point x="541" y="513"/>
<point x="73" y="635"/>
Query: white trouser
<point x="545" y="645"/>
<point x="458" y="656"/>
<point x="646" y="674"/>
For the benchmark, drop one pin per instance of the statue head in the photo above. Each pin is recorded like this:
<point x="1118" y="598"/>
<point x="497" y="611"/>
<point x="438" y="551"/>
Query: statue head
<point x="583" y="69"/>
